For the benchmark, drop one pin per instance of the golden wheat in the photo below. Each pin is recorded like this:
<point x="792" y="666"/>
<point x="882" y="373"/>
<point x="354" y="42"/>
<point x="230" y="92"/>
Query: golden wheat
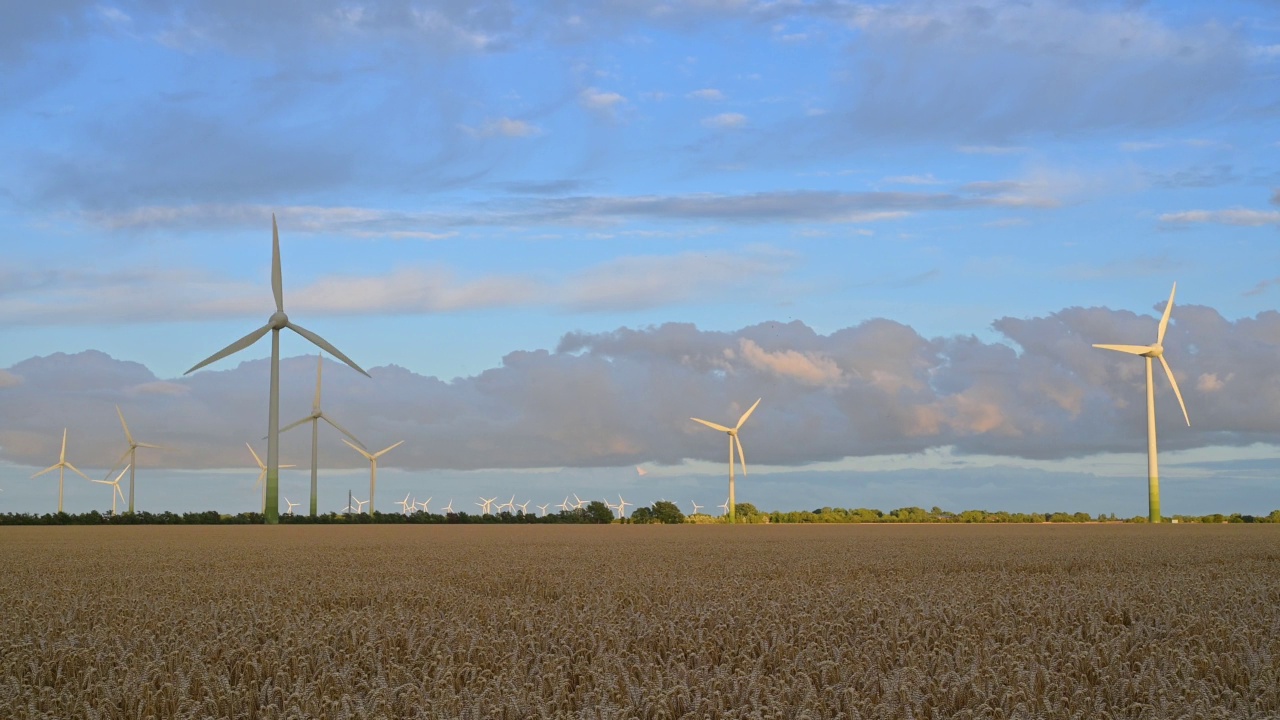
<point x="640" y="622"/>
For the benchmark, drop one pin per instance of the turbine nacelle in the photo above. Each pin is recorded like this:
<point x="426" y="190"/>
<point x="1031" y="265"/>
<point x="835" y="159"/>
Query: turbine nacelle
<point x="278" y="321"/>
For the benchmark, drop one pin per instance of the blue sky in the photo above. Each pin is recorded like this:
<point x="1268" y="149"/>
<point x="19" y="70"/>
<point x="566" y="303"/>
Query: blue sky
<point x="570" y="226"/>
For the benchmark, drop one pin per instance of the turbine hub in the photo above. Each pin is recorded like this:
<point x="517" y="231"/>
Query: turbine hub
<point x="1155" y="351"/>
<point x="278" y="320"/>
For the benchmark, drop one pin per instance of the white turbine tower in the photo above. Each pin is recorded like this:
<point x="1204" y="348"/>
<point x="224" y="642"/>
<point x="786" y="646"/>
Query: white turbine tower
<point x="314" y="418"/>
<point x="61" y="467"/>
<point x="131" y="453"/>
<point x="1147" y="352"/>
<point x="373" y="466"/>
<point x="277" y="322"/>
<point x="115" y="488"/>
<point x="262" y="476"/>
<point x="733" y="441"/>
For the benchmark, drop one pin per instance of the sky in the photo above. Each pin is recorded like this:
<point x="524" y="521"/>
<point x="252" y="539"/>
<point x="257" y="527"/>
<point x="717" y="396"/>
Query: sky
<point x="552" y="232"/>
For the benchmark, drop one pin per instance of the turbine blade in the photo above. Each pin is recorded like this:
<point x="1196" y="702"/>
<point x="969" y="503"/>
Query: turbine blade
<point x="277" y="282"/>
<point x="255" y="457"/>
<point x="747" y="414"/>
<point x="1164" y="319"/>
<point x="712" y="425"/>
<point x="116" y="482"/>
<point x="741" y="456"/>
<point x="62" y="454"/>
<point x="1130" y="349"/>
<point x="384" y="451"/>
<point x="48" y="469"/>
<point x="149" y="445"/>
<point x="234" y="347"/>
<point x="358" y="449"/>
<point x="1169" y="371"/>
<point x="315" y="404"/>
<point x="77" y="471"/>
<point x="293" y="425"/>
<point x="341" y="429"/>
<point x="127" y="435"/>
<point x="122" y="457"/>
<point x="119" y="492"/>
<point x="324" y="345"/>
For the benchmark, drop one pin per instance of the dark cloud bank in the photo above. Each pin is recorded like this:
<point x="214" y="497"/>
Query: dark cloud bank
<point x="625" y="397"/>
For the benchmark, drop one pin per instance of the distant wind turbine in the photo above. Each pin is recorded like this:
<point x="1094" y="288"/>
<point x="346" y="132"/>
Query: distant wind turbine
<point x="277" y="322"/>
<point x="448" y="509"/>
<point x="510" y="505"/>
<point x="524" y="507"/>
<point x="262" y="475"/>
<point x="61" y="467"/>
<point x="115" y="488"/>
<point x="564" y="506"/>
<point x="314" y="418"/>
<point x="725" y="507"/>
<point x="131" y="454"/>
<point x="373" y="465"/>
<point x="291" y="505"/>
<point x="486" y="504"/>
<point x="622" y="507"/>
<point x="1147" y="352"/>
<point x="426" y="504"/>
<point x="542" y="509"/>
<point x="359" y="504"/>
<point x="733" y="440"/>
<point x="404" y="504"/>
<point x="696" y="506"/>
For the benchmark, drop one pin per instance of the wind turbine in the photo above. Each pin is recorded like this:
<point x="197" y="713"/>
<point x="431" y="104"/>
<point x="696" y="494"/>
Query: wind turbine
<point x="622" y="507"/>
<point x="448" y="509"/>
<point x="1147" y="352"/>
<point x="724" y="506"/>
<point x="262" y="474"/>
<point x="115" y="488"/>
<point x="695" y="507"/>
<point x="359" y="504"/>
<point x="61" y="467"/>
<point x="524" y="507"/>
<point x="291" y="506"/>
<point x="486" y="505"/>
<point x="425" y="505"/>
<point x="404" y="504"/>
<point x="131" y="453"/>
<point x="564" y="506"/>
<point x="510" y="505"/>
<point x="578" y="502"/>
<point x="314" y="418"/>
<point x="542" y="509"/>
<point x="733" y="440"/>
<point x="277" y="322"/>
<point x="373" y="465"/>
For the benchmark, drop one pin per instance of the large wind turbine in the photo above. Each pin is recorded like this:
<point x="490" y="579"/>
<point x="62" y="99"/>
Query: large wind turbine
<point x="373" y="466"/>
<point x="1147" y="352"/>
<point x="314" y="418"/>
<point x="733" y="441"/>
<point x="131" y="453"/>
<point x="277" y="322"/>
<point x="61" y="467"/>
<point x="115" y="488"/>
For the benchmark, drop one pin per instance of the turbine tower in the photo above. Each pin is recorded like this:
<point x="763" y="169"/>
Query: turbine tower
<point x="314" y="418"/>
<point x="277" y="322"/>
<point x="1147" y="352"/>
<point x="373" y="466"/>
<point x="131" y="453"/>
<point x="733" y="441"/>
<point x="61" y="467"/>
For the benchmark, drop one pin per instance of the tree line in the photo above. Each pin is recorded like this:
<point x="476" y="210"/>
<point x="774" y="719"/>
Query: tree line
<point x="598" y="513"/>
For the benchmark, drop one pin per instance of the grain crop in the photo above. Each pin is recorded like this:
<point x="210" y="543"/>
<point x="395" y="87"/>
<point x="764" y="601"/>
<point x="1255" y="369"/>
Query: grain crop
<point x="618" y="621"/>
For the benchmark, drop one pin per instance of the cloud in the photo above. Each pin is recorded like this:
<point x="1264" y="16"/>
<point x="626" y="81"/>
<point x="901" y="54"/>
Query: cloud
<point x="620" y="398"/>
<point x="504" y="127"/>
<point x="1241" y="217"/>
<point x="710" y="94"/>
<point x="600" y="101"/>
<point x="926" y="179"/>
<point x="725" y="121"/>
<point x="8" y="379"/>
<point x="988" y="75"/>
<point x="991" y="149"/>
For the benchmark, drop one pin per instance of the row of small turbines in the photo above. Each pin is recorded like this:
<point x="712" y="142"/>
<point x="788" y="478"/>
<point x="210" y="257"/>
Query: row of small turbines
<point x="270" y="477"/>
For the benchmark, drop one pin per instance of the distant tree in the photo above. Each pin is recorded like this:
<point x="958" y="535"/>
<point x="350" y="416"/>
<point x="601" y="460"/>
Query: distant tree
<point x="642" y="516"/>
<point x="599" y="513"/>
<point x="667" y="512"/>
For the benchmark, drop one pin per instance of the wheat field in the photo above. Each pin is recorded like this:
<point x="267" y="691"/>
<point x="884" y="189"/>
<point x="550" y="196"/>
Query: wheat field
<point x="640" y="622"/>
